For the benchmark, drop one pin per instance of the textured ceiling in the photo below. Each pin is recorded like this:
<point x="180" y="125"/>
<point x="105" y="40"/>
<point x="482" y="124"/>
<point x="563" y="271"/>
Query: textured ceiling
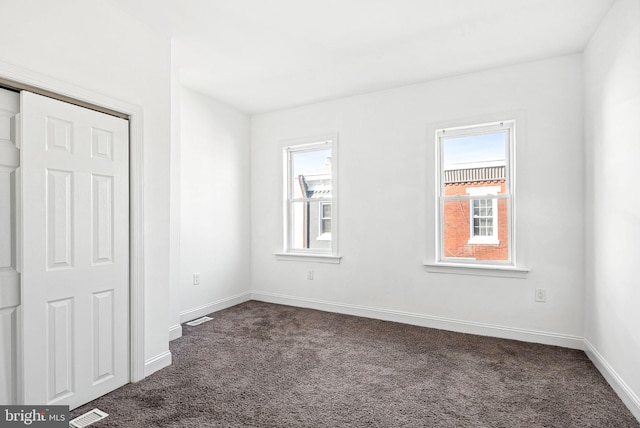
<point x="262" y="55"/>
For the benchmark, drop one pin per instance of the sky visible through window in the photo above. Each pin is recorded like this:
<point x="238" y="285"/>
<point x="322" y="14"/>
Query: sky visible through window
<point x="474" y="148"/>
<point x="311" y="162"/>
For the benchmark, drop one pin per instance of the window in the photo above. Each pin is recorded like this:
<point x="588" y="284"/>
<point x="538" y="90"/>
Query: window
<point x="483" y="227"/>
<point x="475" y="194"/>
<point x="310" y="208"/>
<point x="483" y="218"/>
<point x="324" y="225"/>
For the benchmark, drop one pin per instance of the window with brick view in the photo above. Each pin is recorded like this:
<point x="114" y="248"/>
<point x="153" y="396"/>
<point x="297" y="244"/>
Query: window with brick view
<point x="475" y="194"/>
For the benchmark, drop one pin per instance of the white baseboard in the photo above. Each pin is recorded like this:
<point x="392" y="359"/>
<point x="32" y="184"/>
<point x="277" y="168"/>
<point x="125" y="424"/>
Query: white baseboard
<point x="175" y="332"/>
<point x="461" y="326"/>
<point x="156" y="363"/>
<point x="218" y="305"/>
<point x="626" y="394"/>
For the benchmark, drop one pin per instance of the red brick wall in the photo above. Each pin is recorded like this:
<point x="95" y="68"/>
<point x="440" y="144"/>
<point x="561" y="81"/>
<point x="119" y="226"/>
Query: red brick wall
<point x="457" y="226"/>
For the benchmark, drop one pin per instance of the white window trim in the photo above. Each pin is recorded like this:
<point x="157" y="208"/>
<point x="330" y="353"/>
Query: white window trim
<point x="477" y="270"/>
<point x="317" y="258"/>
<point x="467" y="130"/>
<point x="309" y="254"/>
<point x="482" y="193"/>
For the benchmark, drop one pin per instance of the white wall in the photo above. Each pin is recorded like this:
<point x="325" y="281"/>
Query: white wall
<point x="215" y="205"/>
<point x="612" y="128"/>
<point x="175" y="328"/>
<point x="95" y="46"/>
<point x="386" y="156"/>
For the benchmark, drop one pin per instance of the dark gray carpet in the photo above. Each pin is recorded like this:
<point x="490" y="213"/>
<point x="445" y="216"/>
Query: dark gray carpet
<point x="265" y="365"/>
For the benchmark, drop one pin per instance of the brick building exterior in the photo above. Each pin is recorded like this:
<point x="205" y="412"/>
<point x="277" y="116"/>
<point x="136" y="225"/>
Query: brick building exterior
<point x="480" y="233"/>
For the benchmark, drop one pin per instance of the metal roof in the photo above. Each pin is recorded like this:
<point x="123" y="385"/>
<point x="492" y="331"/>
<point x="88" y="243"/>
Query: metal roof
<point x="317" y="185"/>
<point x="467" y="175"/>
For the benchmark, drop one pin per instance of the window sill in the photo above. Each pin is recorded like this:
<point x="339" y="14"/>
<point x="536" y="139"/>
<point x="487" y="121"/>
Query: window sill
<point x="483" y="241"/>
<point x="300" y="257"/>
<point x="478" y="270"/>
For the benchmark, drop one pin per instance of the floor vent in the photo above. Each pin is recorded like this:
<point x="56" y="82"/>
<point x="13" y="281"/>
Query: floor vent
<point x="199" y="321"/>
<point x="88" y="418"/>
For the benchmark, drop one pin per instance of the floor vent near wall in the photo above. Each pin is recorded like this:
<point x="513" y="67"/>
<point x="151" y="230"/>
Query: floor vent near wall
<point x="199" y="321"/>
<point x="88" y="418"/>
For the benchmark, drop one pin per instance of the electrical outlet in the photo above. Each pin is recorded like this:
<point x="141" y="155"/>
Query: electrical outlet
<point x="196" y="279"/>
<point x="541" y="295"/>
<point x="310" y="274"/>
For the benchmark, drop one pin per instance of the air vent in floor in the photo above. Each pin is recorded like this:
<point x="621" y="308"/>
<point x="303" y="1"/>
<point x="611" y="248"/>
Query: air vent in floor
<point x="88" y="418"/>
<point x="199" y="321"/>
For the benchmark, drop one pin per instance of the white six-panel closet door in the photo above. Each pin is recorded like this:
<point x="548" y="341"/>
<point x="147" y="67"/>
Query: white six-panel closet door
<point x="75" y="252"/>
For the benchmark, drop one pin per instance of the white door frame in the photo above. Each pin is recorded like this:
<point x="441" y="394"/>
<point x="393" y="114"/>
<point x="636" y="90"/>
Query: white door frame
<point x="136" y="195"/>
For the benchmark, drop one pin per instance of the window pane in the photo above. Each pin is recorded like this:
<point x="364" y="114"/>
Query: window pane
<point x="307" y="227"/>
<point x="474" y="161"/>
<point x="326" y="210"/>
<point x="475" y="148"/>
<point x="311" y="173"/>
<point x="484" y="236"/>
<point x="483" y="226"/>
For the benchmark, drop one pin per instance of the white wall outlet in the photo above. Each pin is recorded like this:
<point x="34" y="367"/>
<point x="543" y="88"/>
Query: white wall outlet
<point x="541" y="295"/>
<point x="310" y="274"/>
<point x="196" y="279"/>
